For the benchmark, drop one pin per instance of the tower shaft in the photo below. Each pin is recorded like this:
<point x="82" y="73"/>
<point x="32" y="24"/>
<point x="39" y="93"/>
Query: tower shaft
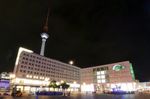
<point x="43" y="47"/>
<point x="44" y="35"/>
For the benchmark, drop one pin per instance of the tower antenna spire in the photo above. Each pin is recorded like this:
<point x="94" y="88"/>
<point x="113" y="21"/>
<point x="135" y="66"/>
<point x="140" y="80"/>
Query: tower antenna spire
<point x="45" y="27"/>
<point x="44" y="35"/>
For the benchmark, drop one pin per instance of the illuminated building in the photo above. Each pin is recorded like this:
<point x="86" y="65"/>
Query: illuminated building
<point x="35" y="70"/>
<point x="4" y="81"/>
<point x="116" y="76"/>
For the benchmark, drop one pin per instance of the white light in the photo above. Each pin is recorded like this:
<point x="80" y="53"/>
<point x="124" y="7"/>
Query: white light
<point x="27" y="76"/>
<point x="88" y="87"/>
<point x="98" y="73"/>
<point x="40" y="77"/>
<point x="27" y="88"/>
<point x="62" y="81"/>
<point x="12" y="76"/>
<point x="98" y="77"/>
<point x="57" y="83"/>
<point x="71" y="62"/>
<point x="98" y="81"/>
<point x="102" y="76"/>
<point x="102" y="72"/>
<point x="74" y="85"/>
<point x="21" y="49"/>
<point x="84" y="83"/>
<point x="103" y="80"/>
<point x="124" y="86"/>
<point x="44" y="36"/>
<point x="46" y="79"/>
<point x="31" y="82"/>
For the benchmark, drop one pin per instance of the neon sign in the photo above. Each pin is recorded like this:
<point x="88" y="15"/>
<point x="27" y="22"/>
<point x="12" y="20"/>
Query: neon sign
<point x="118" y="67"/>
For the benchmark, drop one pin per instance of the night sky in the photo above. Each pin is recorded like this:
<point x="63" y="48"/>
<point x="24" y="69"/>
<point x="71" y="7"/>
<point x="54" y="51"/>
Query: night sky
<point x="90" y="32"/>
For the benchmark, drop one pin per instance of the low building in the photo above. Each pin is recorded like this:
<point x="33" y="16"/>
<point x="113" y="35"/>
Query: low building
<point x="115" y="76"/>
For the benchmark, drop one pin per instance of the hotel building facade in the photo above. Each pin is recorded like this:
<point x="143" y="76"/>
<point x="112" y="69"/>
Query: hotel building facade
<point x="33" y="72"/>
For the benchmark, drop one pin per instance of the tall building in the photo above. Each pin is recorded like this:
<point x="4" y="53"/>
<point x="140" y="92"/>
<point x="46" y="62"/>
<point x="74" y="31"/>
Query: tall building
<point x="32" y="70"/>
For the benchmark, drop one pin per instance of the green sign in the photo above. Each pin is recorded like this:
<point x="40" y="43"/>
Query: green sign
<point x="118" y="67"/>
<point x="132" y="72"/>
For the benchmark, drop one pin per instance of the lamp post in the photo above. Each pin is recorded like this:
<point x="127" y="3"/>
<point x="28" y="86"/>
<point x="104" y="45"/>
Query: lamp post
<point x="71" y="62"/>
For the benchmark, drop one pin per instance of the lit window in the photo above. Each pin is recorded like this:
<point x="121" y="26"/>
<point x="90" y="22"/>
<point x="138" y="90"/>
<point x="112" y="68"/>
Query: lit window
<point x="102" y="76"/>
<point x="103" y="81"/>
<point x="98" y="73"/>
<point x="98" y="81"/>
<point x="98" y="77"/>
<point x="102" y="72"/>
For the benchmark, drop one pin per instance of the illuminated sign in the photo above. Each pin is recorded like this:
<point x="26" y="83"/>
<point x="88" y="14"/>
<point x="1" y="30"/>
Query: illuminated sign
<point x="4" y="75"/>
<point x="4" y="84"/>
<point x="118" y="67"/>
<point x="132" y="72"/>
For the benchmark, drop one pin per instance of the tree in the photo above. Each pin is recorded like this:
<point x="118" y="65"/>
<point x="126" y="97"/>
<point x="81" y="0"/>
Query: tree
<point x="64" y="86"/>
<point x="53" y="84"/>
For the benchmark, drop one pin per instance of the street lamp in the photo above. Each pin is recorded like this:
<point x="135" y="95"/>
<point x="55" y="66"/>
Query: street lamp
<point x="71" y="62"/>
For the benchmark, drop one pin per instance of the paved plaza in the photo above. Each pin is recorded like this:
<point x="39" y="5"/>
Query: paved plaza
<point x="85" y="96"/>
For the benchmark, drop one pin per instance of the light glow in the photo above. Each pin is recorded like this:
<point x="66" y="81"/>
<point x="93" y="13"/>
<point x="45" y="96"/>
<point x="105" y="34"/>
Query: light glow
<point x="44" y="36"/>
<point x="31" y="82"/>
<point x="102" y="72"/>
<point x="118" y="67"/>
<point x="102" y="76"/>
<point x="87" y="88"/>
<point x="98" y="81"/>
<point x="74" y="85"/>
<point x="103" y="80"/>
<point x="124" y="86"/>
<point x="62" y="81"/>
<point x="98" y="73"/>
<point x="21" y="49"/>
<point x="98" y="77"/>
<point x="71" y="62"/>
<point x="12" y="76"/>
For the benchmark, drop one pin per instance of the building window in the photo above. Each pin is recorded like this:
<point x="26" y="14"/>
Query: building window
<point x="24" y="71"/>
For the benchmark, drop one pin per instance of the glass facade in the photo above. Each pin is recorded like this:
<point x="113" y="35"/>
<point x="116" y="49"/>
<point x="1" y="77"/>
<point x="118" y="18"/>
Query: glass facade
<point x="101" y="75"/>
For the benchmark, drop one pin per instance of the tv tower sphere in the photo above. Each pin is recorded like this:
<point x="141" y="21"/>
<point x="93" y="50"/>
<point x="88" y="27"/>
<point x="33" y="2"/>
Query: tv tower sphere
<point x="44" y="36"/>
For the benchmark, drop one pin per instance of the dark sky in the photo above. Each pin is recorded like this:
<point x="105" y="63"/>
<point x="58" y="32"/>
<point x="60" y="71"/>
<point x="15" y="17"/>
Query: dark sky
<point x="90" y="32"/>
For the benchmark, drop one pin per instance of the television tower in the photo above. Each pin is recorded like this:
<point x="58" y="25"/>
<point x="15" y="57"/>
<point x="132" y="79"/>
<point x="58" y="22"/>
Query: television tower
<point x="44" y="35"/>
